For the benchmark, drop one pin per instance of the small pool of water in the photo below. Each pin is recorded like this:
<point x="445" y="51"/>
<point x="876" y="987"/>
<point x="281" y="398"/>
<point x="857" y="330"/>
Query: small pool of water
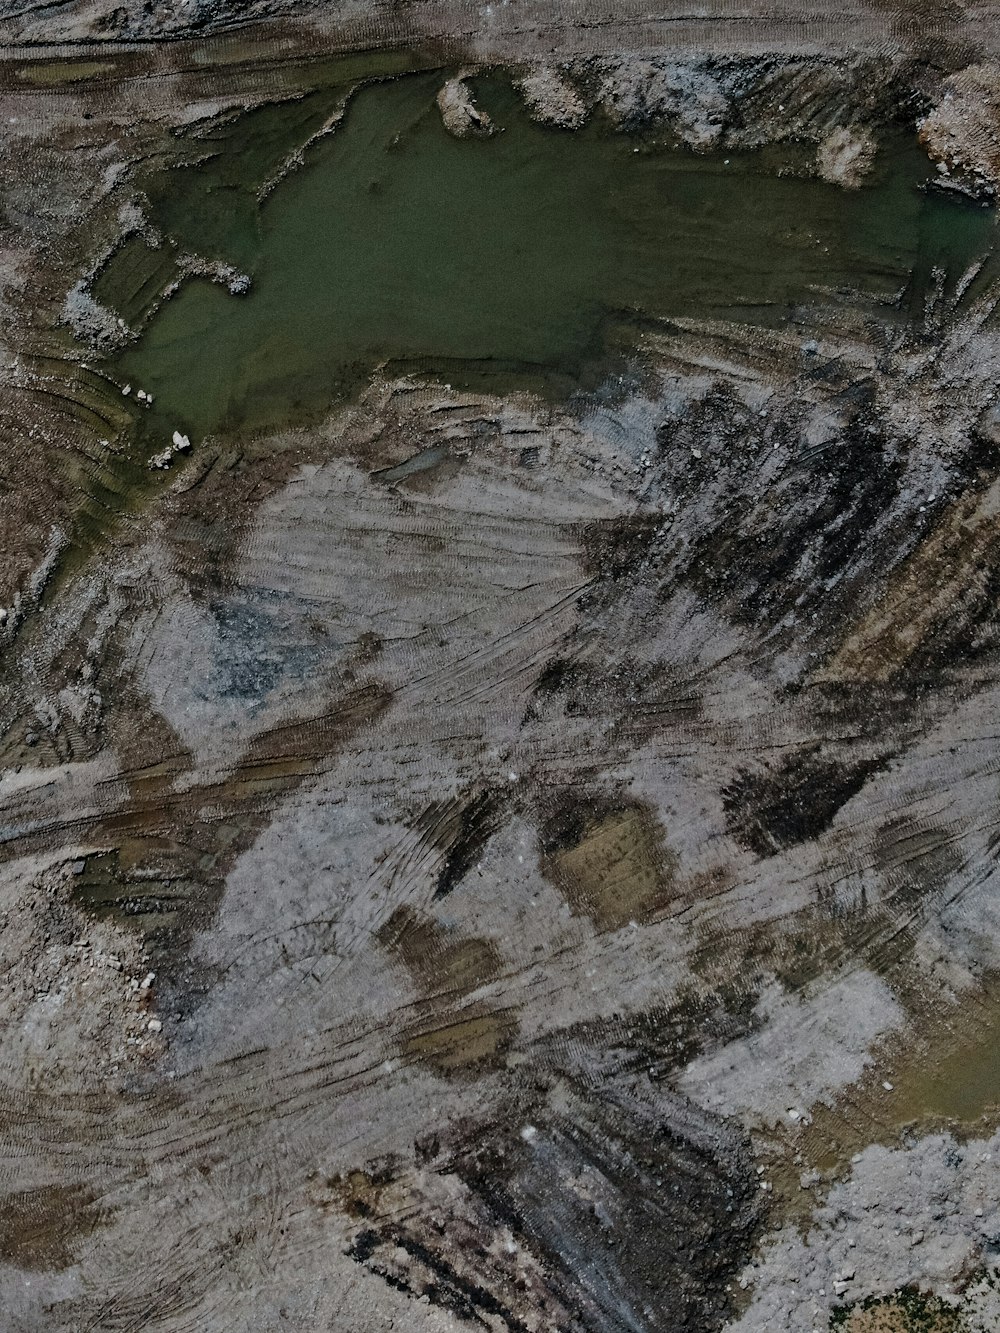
<point x="962" y="1081"/>
<point x="509" y="257"/>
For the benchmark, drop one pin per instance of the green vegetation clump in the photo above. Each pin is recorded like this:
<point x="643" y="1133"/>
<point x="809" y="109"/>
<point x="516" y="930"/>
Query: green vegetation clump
<point x="905" y="1311"/>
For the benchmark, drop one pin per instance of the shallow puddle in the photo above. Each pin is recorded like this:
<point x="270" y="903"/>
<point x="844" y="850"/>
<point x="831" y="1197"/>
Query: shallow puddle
<point x="50" y="74"/>
<point x="962" y="1081"/>
<point x="511" y="257"/>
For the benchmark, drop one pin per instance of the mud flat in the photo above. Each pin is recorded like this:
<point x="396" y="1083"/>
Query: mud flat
<point x="499" y="792"/>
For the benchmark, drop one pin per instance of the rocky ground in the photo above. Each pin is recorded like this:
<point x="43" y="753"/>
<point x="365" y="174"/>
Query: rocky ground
<point x="487" y="862"/>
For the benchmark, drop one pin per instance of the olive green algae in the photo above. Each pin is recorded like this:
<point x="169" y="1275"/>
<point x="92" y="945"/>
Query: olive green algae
<point x="511" y="255"/>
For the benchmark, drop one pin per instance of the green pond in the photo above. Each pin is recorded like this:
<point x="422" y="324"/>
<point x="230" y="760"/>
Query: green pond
<point x="517" y="259"/>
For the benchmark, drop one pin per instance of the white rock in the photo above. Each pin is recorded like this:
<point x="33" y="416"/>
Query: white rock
<point x="180" y="441"/>
<point x="154" y="1025"/>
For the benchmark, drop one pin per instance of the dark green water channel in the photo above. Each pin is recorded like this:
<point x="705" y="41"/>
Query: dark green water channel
<point x="510" y="257"/>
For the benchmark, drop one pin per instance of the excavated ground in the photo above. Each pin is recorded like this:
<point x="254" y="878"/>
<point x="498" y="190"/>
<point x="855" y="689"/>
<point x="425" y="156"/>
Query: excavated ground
<point x="499" y="812"/>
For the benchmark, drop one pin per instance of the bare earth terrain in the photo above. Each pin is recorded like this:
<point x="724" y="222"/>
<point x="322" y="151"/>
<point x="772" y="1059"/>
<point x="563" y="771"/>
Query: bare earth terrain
<point x="487" y="857"/>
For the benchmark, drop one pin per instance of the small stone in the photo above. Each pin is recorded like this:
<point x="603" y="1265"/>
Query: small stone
<point x="154" y="1025"/>
<point x="180" y="441"/>
<point x="840" y="1287"/>
<point x="887" y="1085"/>
<point x="916" y="1238"/>
<point x="528" y="1133"/>
<point x="126" y="390"/>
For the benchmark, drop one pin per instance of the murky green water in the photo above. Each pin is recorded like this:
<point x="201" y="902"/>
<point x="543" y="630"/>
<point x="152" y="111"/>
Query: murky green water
<point x="510" y="257"/>
<point x="962" y="1082"/>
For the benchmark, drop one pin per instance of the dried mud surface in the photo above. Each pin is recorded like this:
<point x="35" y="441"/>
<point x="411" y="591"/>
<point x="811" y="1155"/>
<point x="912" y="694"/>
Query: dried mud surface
<point x="484" y="860"/>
